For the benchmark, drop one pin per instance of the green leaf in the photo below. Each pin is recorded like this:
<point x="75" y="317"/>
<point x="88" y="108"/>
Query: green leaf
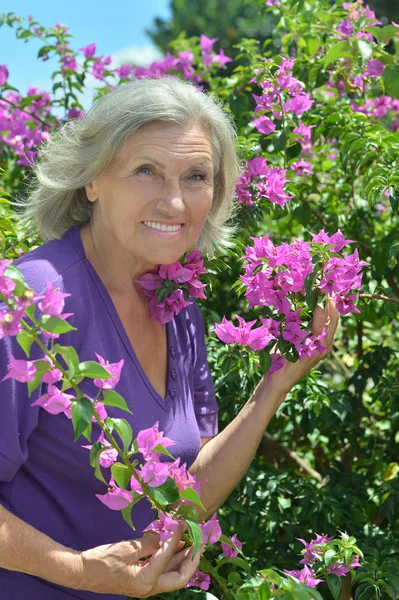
<point x="95" y="452"/>
<point x="334" y="584"/>
<point x="312" y="298"/>
<point x="92" y="369"/>
<point x="329" y="557"/>
<point x="124" y="431"/>
<point x="127" y="515"/>
<point x="112" y="398"/>
<point x="70" y="356"/>
<point x="162" y="450"/>
<point x="15" y="274"/>
<point x="339" y="50"/>
<point x="195" y="534"/>
<point x="25" y="340"/>
<point x="121" y="474"/>
<point x="390" y="78"/>
<point x="279" y="141"/>
<point x="193" y="496"/>
<point x="82" y="413"/>
<point x="166" y="493"/>
<point x="55" y="324"/>
<point x="271" y="575"/>
<point x="265" y="361"/>
<point x="365" y="49"/>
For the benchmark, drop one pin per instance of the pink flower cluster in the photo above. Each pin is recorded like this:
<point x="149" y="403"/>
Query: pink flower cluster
<point x="314" y="551"/>
<point x="261" y="181"/>
<point x="358" y="17"/>
<point x="282" y="93"/>
<point x="21" y="130"/>
<point x="169" y="287"/>
<point x="275" y="277"/>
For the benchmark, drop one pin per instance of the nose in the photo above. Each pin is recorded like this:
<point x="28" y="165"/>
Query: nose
<point x="171" y="202"/>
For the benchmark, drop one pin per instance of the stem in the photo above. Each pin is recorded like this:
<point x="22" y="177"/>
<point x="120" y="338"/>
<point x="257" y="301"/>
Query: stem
<point x="219" y="580"/>
<point x="2" y="99"/>
<point x="380" y="297"/>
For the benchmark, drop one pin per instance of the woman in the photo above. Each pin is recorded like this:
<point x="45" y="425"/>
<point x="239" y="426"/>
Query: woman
<point x="148" y="174"/>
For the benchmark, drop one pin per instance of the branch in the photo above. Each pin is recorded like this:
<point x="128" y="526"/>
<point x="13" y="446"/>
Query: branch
<point x="292" y="457"/>
<point x="380" y="297"/>
<point x="2" y="99"/>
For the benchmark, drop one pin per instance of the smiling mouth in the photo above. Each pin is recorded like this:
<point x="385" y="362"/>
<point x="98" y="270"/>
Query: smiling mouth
<point x="162" y="227"/>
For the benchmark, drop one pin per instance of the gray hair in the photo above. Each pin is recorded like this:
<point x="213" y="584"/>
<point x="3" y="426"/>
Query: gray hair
<point x="80" y="150"/>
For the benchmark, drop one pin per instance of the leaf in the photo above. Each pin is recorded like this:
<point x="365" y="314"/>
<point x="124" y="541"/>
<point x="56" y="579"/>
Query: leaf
<point x="271" y="575"/>
<point x="127" y="515"/>
<point x="339" y="50"/>
<point x="15" y="274"/>
<point x="25" y="340"/>
<point x="121" y="474"/>
<point x="195" y="534"/>
<point x="55" y="324"/>
<point x="70" y="356"/>
<point x="279" y="141"/>
<point x="166" y="493"/>
<point x="92" y="369"/>
<point x="312" y="298"/>
<point x="193" y="496"/>
<point x="82" y="413"/>
<point x="329" y="557"/>
<point x="112" y="398"/>
<point x="334" y="584"/>
<point x="365" y="49"/>
<point x="390" y="78"/>
<point x="162" y="450"/>
<point x="124" y="431"/>
<point x="265" y="361"/>
<point x="95" y="452"/>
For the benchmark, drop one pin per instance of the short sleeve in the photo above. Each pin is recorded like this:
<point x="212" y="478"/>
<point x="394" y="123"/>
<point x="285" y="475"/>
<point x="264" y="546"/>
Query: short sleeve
<point x="205" y="405"/>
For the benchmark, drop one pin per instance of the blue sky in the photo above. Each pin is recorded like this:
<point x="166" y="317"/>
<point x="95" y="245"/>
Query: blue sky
<point x="117" y="28"/>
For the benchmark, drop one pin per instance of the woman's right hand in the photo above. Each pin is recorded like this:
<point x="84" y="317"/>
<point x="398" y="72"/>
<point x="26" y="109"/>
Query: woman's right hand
<point x="139" y="568"/>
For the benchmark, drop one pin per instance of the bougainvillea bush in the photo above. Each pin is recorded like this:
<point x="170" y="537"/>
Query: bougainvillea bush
<point x="317" y="114"/>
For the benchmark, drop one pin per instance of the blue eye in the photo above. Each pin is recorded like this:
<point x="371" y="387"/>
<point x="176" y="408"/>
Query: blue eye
<point x="142" y="169"/>
<point x="200" y="175"/>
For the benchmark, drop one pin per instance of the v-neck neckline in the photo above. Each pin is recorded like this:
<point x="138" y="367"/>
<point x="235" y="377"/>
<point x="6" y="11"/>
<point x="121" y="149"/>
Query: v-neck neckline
<point x="166" y="402"/>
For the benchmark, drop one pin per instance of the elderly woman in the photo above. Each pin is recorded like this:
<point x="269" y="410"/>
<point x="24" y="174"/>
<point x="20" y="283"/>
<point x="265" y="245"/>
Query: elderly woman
<point x="147" y="175"/>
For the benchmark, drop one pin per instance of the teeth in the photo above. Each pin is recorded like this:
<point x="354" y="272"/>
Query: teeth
<point x="161" y="226"/>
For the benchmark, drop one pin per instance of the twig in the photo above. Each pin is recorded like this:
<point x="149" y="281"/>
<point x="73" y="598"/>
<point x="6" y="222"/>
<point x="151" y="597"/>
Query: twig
<point x="292" y="457"/>
<point x="380" y="297"/>
<point x="2" y="99"/>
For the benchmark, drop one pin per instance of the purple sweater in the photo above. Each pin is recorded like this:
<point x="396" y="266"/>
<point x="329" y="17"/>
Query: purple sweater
<point x="45" y="477"/>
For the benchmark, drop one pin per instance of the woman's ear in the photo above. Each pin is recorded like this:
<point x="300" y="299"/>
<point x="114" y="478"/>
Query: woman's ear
<point x="91" y="191"/>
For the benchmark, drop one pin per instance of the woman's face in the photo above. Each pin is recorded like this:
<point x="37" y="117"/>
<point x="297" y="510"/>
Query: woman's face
<point x="162" y="176"/>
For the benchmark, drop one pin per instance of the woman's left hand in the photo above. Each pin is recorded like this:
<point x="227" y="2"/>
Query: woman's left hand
<point x="283" y="380"/>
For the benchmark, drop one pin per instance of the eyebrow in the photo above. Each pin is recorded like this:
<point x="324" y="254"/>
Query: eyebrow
<point x="202" y="163"/>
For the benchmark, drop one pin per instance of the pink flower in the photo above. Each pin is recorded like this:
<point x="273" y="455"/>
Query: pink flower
<point x="164" y="311"/>
<point x="375" y="68"/>
<point x="53" y="301"/>
<point x="123" y="71"/>
<point x="148" y="439"/>
<point x="298" y="104"/>
<point x="311" y="552"/>
<point x="114" y="369"/>
<point x="3" y="74"/>
<point x="243" y="334"/>
<point x="306" y="576"/>
<point x="89" y="50"/>
<point x="20" y="370"/>
<point x="201" y="580"/>
<point x="69" y="62"/>
<point x="345" y="27"/>
<point x="154" y="474"/>
<point x="182" y="478"/>
<point x="302" y="167"/>
<point x="264" y="125"/>
<point x="109" y="455"/>
<point x="116" y="498"/>
<point x="75" y="113"/>
<point x="10" y="322"/>
<point x="55" y="401"/>
<point x="229" y="551"/>
<point x="221" y="58"/>
<point x="211" y="531"/>
<point x="206" y="43"/>
<point x="165" y="526"/>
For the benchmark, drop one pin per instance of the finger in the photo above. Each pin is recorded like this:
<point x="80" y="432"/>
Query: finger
<point x="177" y="559"/>
<point x="331" y="322"/>
<point x="147" y="545"/>
<point x="175" y="580"/>
<point x="166" y="552"/>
